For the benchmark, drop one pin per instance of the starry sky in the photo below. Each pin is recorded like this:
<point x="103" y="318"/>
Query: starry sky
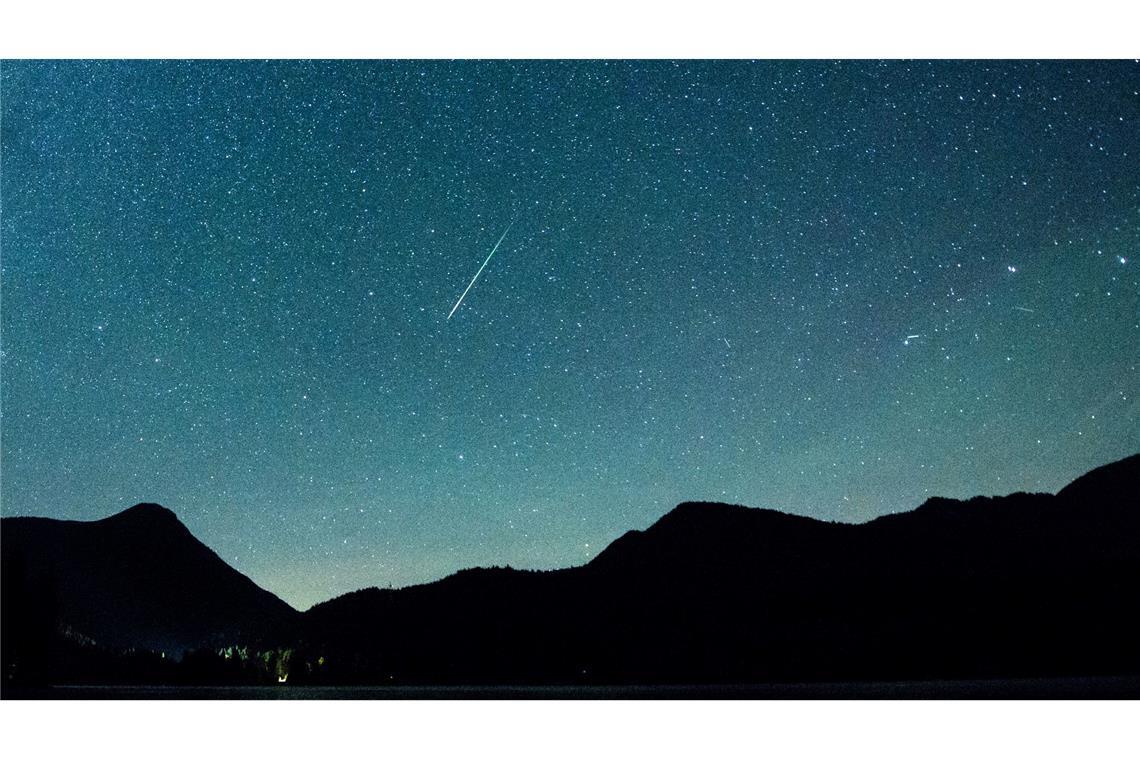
<point x="830" y="288"/>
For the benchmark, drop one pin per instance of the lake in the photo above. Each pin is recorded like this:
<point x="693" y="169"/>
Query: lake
<point x="1097" y="687"/>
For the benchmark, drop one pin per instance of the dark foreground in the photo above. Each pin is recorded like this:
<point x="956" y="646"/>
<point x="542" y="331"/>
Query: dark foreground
<point x="945" y="601"/>
<point x="1099" y="687"/>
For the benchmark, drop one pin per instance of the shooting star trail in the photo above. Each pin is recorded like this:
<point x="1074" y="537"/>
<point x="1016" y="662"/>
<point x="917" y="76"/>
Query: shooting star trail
<point x="909" y="338"/>
<point x="1022" y="308"/>
<point x="726" y="342"/>
<point x="476" y="277"/>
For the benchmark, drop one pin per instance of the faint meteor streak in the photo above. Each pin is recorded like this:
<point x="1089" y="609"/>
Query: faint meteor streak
<point x="1022" y="308"/>
<point x="476" y="277"/>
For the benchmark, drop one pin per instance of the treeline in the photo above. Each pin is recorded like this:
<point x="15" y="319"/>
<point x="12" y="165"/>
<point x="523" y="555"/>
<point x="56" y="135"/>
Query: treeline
<point x="70" y="658"/>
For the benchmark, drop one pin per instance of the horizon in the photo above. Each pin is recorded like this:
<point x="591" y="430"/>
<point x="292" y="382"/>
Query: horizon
<point x="833" y="289"/>
<point x="390" y="587"/>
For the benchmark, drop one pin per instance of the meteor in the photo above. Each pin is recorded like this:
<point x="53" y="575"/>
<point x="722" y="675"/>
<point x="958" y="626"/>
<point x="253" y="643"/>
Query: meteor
<point x="476" y="277"/>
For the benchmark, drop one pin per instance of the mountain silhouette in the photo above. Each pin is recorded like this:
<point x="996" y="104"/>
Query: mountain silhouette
<point x="1021" y="585"/>
<point x="1025" y="585"/>
<point x="135" y="580"/>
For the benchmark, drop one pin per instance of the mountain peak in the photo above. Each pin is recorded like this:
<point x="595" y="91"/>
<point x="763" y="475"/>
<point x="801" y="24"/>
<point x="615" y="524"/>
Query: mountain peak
<point x="693" y="514"/>
<point x="146" y="510"/>
<point x="139" y="578"/>
<point x="1114" y="482"/>
<point x="696" y="510"/>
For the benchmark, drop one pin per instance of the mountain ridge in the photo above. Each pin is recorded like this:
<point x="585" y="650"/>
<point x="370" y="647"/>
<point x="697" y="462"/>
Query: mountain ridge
<point x="690" y="509"/>
<point x="990" y="586"/>
<point x="137" y="578"/>
<point x="1006" y="586"/>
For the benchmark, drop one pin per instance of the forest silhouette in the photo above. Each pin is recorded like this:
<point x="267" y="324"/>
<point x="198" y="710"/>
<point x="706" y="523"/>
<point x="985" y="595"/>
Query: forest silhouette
<point x="1020" y="586"/>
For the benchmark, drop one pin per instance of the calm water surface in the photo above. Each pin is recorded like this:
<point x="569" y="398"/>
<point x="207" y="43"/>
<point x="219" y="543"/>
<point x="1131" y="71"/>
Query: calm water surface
<point x="1124" y="687"/>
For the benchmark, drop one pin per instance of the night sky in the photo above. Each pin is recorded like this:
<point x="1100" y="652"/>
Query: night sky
<point x="834" y="289"/>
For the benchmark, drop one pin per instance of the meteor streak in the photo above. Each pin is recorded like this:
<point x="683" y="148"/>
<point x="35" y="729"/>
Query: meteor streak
<point x="476" y="277"/>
